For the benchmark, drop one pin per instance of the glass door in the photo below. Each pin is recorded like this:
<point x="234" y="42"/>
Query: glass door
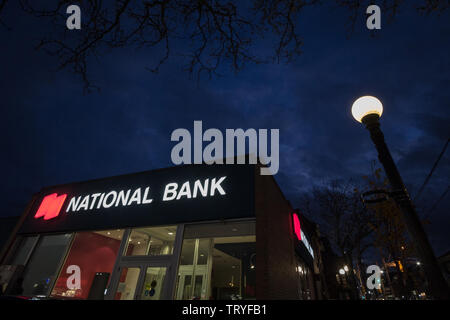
<point x="147" y="264"/>
<point x="153" y="283"/>
<point x="142" y="281"/>
<point x="193" y="279"/>
<point x="129" y="278"/>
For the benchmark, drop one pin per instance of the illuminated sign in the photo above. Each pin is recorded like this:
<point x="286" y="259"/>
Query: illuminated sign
<point x="300" y="235"/>
<point x="130" y="197"/>
<point x="50" y="206"/>
<point x="307" y="245"/>
<point x="159" y="197"/>
<point x="297" y="229"/>
<point x="109" y="199"/>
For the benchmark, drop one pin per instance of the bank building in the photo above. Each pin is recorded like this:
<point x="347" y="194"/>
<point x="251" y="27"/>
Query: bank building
<point x="208" y="232"/>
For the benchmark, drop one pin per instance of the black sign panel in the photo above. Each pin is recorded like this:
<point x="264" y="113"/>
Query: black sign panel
<point x="160" y="197"/>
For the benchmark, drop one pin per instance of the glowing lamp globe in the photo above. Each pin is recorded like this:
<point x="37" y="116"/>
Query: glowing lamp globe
<point x="366" y="105"/>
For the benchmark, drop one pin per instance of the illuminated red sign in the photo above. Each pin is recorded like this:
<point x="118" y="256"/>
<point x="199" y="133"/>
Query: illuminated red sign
<point x="300" y="235"/>
<point x="297" y="229"/>
<point x="50" y="206"/>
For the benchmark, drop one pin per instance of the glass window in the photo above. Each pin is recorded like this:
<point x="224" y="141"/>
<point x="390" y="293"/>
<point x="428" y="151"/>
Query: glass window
<point x="23" y="250"/>
<point x="193" y="269"/>
<point x="42" y="268"/>
<point x="88" y="266"/>
<point x="203" y="251"/>
<point x="151" y="241"/>
<point x="153" y="283"/>
<point x="198" y="286"/>
<point x="127" y="286"/>
<point x="304" y="280"/>
<point x="218" y="261"/>
<point x="187" y="253"/>
<point x="185" y="286"/>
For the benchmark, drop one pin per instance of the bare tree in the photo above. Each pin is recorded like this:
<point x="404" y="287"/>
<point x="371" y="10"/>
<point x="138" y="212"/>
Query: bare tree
<point x="390" y="235"/>
<point x="344" y="220"/>
<point x="214" y="33"/>
<point x="341" y="214"/>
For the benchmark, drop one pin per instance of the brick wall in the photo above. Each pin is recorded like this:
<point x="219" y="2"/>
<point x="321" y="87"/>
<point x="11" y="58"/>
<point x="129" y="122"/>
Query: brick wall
<point x="275" y="257"/>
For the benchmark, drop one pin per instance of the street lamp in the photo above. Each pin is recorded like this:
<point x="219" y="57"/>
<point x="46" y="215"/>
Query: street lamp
<point x="368" y="110"/>
<point x="345" y="268"/>
<point x="365" y="106"/>
<point x="341" y="271"/>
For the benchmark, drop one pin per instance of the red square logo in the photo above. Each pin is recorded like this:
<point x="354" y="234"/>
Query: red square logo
<point x="50" y="206"/>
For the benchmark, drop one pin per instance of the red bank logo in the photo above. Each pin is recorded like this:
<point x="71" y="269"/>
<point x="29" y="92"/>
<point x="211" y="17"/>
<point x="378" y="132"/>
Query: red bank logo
<point x="300" y="235"/>
<point x="50" y="206"/>
<point x="297" y="230"/>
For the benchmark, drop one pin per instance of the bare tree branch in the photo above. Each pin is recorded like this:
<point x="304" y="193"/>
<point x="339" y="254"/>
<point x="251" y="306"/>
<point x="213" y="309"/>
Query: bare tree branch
<point x="216" y="33"/>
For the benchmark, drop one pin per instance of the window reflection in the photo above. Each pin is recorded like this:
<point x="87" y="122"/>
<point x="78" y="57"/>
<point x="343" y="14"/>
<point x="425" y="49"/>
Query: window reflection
<point x="94" y="254"/>
<point x="153" y="283"/>
<point x="127" y="284"/>
<point x="218" y="261"/>
<point x="42" y="268"/>
<point x="151" y="241"/>
<point x="24" y="246"/>
<point x="304" y="280"/>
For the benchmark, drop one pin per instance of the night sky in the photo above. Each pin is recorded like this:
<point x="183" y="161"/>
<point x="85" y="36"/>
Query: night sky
<point x="53" y="133"/>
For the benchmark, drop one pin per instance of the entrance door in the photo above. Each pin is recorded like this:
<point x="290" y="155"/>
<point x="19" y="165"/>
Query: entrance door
<point x="146" y="270"/>
<point x="154" y="280"/>
<point x="143" y="281"/>
<point x="192" y="284"/>
<point x="128" y="282"/>
<point x="193" y="278"/>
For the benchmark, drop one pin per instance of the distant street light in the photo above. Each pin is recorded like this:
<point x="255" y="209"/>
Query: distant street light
<point x="341" y="271"/>
<point x="368" y="110"/>
<point x="345" y="268"/>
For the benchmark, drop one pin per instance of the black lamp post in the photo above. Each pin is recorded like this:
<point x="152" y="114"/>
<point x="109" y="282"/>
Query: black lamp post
<point x="368" y="111"/>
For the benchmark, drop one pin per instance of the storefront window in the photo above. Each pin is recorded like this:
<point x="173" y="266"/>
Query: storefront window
<point x="153" y="283"/>
<point x="43" y="266"/>
<point x="127" y="285"/>
<point x="88" y="266"/>
<point x="217" y="262"/>
<point x="187" y="254"/>
<point x="305" y="282"/>
<point x="151" y="241"/>
<point x="203" y="251"/>
<point x="24" y="246"/>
